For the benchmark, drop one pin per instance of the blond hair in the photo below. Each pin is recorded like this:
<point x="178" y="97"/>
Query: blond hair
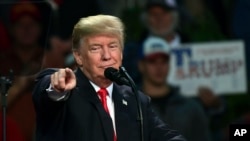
<point x="95" y="25"/>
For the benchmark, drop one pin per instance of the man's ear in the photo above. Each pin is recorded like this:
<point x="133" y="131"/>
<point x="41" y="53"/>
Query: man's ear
<point x="78" y="57"/>
<point x="121" y="56"/>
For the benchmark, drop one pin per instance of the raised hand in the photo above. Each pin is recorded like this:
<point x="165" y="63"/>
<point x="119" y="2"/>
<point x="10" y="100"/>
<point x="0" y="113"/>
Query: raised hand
<point x="63" y="80"/>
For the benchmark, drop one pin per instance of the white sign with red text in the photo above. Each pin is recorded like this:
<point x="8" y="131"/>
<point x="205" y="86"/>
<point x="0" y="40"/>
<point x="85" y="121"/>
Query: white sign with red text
<point x="217" y="65"/>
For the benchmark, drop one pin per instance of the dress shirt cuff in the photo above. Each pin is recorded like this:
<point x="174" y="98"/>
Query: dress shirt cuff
<point x="56" y="96"/>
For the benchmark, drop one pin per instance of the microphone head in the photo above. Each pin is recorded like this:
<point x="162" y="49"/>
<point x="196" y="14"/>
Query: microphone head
<point x="114" y="75"/>
<point x="110" y="72"/>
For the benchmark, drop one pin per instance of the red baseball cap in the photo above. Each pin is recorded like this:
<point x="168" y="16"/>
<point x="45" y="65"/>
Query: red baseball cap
<point x="24" y="9"/>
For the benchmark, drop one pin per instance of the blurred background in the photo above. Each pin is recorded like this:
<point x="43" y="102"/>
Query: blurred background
<point x="209" y="42"/>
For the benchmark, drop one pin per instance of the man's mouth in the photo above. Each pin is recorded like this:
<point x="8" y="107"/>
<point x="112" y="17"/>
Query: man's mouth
<point x="106" y="66"/>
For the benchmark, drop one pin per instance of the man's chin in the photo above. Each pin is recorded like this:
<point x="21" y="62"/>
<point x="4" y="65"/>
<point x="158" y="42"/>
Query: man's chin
<point x="158" y="82"/>
<point x="161" y="32"/>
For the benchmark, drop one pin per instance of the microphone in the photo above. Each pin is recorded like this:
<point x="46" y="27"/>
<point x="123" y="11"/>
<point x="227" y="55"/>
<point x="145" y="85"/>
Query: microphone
<point x="114" y="75"/>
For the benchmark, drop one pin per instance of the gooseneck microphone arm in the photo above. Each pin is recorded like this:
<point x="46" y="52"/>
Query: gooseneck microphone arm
<point x="5" y="84"/>
<point x="138" y="102"/>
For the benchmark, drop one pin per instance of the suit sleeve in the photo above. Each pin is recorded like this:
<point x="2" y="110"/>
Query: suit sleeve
<point x="46" y="108"/>
<point x="56" y="96"/>
<point x="158" y="130"/>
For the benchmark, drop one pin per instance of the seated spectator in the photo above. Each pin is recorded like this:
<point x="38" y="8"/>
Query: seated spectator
<point x="183" y="114"/>
<point x="24" y="57"/>
<point x="24" y="54"/>
<point x="161" y="18"/>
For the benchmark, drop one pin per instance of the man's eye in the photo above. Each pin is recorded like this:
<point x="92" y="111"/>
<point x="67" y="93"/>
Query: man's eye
<point x="113" y="46"/>
<point x="94" y="48"/>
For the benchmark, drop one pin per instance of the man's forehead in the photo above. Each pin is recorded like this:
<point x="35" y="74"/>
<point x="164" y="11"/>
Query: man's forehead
<point x="157" y="57"/>
<point x="100" y="38"/>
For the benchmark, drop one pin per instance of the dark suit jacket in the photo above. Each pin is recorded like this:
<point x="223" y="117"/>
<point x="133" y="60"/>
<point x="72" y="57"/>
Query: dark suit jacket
<point x="81" y="117"/>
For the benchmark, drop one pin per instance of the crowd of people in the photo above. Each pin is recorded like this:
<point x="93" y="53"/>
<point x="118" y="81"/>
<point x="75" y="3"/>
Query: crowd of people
<point x="35" y="35"/>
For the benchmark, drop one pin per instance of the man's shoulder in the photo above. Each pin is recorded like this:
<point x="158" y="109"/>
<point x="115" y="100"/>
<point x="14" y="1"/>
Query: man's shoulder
<point x="127" y="92"/>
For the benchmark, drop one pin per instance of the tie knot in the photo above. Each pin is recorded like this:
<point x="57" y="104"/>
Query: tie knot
<point x="102" y="92"/>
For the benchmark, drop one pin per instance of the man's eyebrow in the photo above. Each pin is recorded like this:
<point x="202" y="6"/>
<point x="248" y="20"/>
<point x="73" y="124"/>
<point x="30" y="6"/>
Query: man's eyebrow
<point x="95" y="44"/>
<point x="114" y="42"/>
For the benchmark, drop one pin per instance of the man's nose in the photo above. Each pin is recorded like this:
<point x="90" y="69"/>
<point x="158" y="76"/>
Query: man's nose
<point x="106" y="55"/>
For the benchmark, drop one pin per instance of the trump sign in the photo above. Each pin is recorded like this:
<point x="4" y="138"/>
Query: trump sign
<point x="218" y="65"/>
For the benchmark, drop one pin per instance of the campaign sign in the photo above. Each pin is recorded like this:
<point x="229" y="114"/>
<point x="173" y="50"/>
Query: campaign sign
<point x="217" y="65"/>
<point x="239" y="132"/>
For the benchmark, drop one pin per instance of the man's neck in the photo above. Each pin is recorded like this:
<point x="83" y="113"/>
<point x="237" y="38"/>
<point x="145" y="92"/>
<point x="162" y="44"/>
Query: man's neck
<point x="155" y="90"/>
<point x="97" y="88"/>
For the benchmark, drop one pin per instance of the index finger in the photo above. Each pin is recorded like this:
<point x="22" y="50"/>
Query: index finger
<point x="69" y="72"/>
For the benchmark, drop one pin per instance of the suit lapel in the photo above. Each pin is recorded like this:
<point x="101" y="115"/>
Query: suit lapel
<point x="121" y="116"/>
<point x="87" y="92"/>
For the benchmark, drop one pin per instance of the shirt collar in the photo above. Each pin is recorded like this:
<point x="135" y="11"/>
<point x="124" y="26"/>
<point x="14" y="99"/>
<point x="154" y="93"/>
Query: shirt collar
<point x="109" y="88"/>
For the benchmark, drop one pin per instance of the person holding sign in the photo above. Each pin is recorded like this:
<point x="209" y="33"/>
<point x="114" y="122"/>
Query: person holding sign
<point x="183" y="114"/>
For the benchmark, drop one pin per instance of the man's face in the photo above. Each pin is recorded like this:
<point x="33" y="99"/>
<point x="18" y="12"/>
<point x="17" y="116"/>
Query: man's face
<point x="160" y="21"/>
<point x="155" y="69"/>
<point x="26" y="31"/>
<point x="98" y="52"/>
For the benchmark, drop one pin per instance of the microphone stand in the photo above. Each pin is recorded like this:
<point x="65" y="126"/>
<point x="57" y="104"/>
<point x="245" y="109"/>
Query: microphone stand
<point x="135" y="90"/>
<point x="5" y="85"/>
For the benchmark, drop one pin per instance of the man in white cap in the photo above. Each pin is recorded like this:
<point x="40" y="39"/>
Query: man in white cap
<point x="183" y="114"/>
<point x="161" y="19"/>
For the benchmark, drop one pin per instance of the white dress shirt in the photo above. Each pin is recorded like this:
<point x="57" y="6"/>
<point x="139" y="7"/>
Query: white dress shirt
<point x="110" y="102"/>
<point x="56" y="96"/>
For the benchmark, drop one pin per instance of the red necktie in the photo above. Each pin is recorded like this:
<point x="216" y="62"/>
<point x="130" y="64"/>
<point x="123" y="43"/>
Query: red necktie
<point x="103" y="94"/>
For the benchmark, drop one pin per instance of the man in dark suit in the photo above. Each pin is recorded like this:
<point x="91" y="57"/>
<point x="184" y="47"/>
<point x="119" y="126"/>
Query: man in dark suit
<point x="84" y="105"/>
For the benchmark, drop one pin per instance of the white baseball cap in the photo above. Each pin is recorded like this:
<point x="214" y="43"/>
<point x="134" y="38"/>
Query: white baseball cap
<point x="154" y="46"/>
